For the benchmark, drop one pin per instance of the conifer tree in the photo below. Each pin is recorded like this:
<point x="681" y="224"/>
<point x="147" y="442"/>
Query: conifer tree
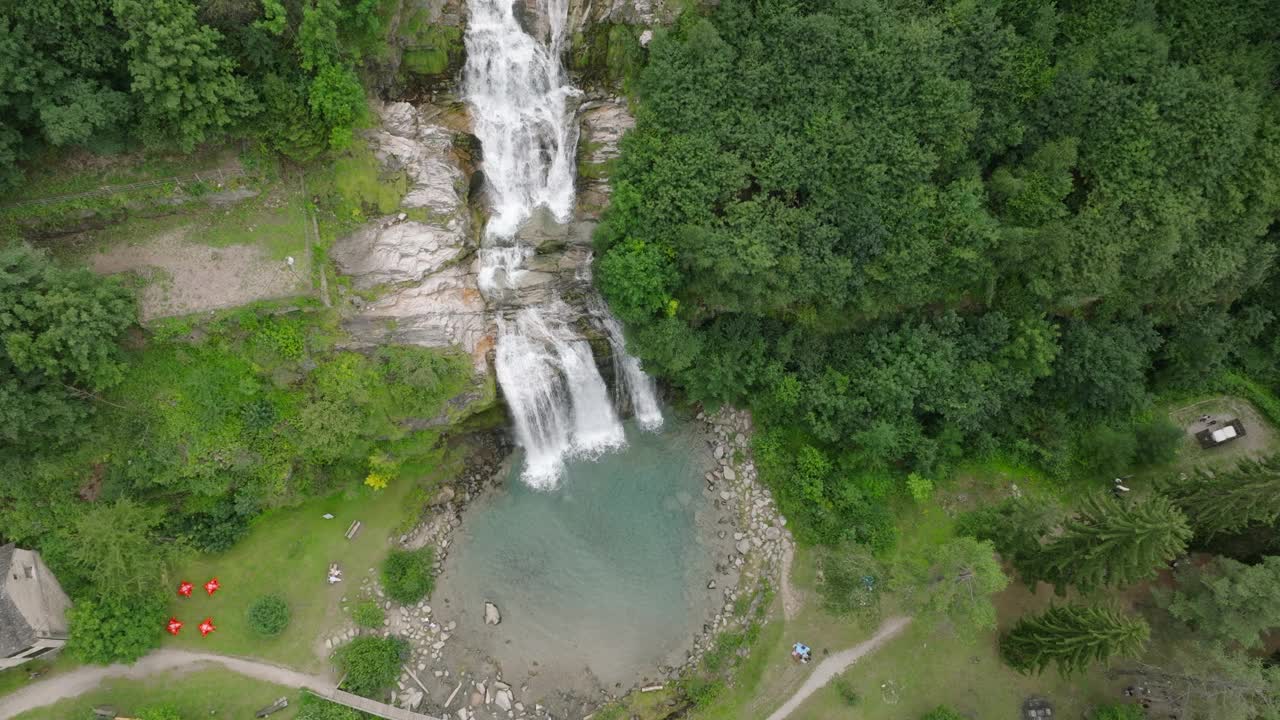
<point x="1112" y="542"/>
<point x="1071" y="637"/>
<point x="1223" y="502"/>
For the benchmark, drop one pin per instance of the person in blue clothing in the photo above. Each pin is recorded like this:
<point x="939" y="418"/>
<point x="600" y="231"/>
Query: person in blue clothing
<point x="801" y="652"/>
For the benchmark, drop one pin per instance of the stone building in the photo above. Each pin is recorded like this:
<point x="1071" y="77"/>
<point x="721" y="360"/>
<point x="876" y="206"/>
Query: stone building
<point x="33" y="608"/>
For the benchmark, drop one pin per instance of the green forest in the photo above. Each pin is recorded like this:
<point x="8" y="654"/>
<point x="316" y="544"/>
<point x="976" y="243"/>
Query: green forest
<point x="912" y="237"/>
<point x="114" y="74"/>
<point x="909" y="233"/>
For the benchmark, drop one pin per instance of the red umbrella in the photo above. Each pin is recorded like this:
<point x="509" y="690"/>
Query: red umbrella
<point x="207" y="627"/>
<point x="212" y="586"/>
<point x="174" y="626"/>
<point x="185" y="588"/>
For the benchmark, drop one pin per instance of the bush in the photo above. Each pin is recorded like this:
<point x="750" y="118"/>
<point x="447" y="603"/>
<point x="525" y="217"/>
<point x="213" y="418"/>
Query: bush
<point x="118" y="628"/>
<point x="942" y="712"/>
<point x="852" y="580"/>
<point x="314" y="707"/>
<point x="409" y="575"/>
<point x="268" y="615"/>
<point x="701" y="691"/>
<point x="848" y="694"/>
<point x="1158" y="441"/>
<point x="368" y="614"/>
<point x="371" y="664"/>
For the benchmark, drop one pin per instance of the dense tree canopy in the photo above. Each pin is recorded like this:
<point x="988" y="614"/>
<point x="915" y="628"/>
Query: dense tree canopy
<point x="1227" y="601"/>
<point x="908" y="231"/>
<point x="59" y="345"/>
<point x="177" y="73"/>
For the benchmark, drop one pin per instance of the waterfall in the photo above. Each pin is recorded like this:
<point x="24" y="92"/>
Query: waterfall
<point x="520" y="95"/>
<point x="555" y="392"/>
<point x="636" y="388"/>
<point x="524" y="115"/>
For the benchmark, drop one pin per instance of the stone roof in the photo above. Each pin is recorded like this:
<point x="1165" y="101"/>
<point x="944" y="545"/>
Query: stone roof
<point x="15" y="632"/>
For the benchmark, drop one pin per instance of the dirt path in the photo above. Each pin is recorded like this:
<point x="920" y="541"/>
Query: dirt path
<point x="837" y="663"/>
<point x="85" y="679"/>
<point x="791" y="600"/>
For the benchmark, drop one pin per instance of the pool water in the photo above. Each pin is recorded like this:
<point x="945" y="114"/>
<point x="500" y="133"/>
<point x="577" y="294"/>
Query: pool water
<point x="603" y="576"/>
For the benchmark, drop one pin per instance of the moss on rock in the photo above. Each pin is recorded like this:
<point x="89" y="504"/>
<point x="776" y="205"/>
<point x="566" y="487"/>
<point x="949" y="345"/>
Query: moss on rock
<point x="607" y="54"/>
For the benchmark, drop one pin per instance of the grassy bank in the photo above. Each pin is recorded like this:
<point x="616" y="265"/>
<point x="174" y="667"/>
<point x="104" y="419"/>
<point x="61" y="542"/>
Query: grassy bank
<point x="287" y="553"/>
<point x="206" y="693"/>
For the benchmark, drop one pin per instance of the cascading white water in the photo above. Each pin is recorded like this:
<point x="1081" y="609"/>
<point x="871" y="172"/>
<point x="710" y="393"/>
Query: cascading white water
<point x="523" y="118"/>
<point x="559" y="400"/>
<point x="521" y="102"/>
<point x="642" y="391"/>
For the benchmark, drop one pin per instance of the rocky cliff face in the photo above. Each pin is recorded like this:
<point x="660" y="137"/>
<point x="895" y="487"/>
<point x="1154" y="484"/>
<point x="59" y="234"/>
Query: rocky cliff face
<point x="415" y="270"/>
<point x="418" y="263"/>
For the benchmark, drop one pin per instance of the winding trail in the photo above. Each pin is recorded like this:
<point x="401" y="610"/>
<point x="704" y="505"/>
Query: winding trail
<point x="837" y="663"/>
<point x="82" y="680"/>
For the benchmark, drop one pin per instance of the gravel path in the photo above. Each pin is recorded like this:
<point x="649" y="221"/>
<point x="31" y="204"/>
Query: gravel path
<point x="82" y="680"/>
<point x="837" y="663"/>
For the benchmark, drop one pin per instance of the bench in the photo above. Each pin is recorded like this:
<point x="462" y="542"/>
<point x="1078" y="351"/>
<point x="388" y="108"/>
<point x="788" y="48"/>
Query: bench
<point x="355" y="528"/>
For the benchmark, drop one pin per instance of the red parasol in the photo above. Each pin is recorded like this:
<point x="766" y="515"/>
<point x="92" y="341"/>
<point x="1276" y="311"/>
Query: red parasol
<point x="174" y="626"/>
<point x="212" y="586"/>
<point x="207" y="627"/>
<point x="185" y="588"/>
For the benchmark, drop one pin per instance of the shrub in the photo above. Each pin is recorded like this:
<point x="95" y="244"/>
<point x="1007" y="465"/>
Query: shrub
<point x="701" y="691"/>
<point x="368" y="614"/>
<point x="314" y="707"/>
<point x="1158" y="441"/>
<point x="268" y="615"/>
<point x="848" y="693"/>
<point x="920" y="487"/>
<point x="117" y="628"/>
<point x="942" y="712"/>
<point x="371" y="663"/>
<point x="409" y="575"/>
<point x="852" y="580"/>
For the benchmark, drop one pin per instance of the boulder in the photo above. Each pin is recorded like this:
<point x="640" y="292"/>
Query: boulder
<point x="491" y="614"/>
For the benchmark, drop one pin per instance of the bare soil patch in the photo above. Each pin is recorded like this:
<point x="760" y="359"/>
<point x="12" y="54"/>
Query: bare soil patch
<point x="181" y="277"/>
<point x="1259" y="439"/>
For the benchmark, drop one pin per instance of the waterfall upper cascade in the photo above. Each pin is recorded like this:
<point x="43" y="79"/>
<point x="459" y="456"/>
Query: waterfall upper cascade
<point x="524" y="110"/>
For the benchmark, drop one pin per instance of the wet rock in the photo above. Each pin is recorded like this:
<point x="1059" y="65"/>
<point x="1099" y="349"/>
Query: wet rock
<point x="491" y="614"/>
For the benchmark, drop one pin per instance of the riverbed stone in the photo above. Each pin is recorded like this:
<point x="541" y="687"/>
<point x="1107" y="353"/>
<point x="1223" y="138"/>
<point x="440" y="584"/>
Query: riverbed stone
<point x="492" y="616"/>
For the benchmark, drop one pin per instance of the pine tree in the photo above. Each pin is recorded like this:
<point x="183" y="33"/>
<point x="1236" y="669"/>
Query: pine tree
<point x="1217" y="503"/>
<point x="1111" y="543"/>
<point x="1071" y="637"/>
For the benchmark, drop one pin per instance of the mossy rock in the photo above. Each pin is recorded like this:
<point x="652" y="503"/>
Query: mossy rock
<point x="608" y="54"/>
<point x="432" y="53"/>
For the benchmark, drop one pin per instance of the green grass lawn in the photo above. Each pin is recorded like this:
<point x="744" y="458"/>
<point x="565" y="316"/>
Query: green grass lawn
<point x="287" y="553"/>
<point x="275" y="220"/>
<point x="71" y="170"/>
<point x="18" y="677"/>
<point x="924" y="667"/>
<point x="205" y="693"/>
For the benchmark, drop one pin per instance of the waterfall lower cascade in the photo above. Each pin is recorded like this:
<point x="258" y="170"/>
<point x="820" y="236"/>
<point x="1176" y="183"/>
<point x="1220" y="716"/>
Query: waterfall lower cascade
<point x="523" y="107"/>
